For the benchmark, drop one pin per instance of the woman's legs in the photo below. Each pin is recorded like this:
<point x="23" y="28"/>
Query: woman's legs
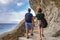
<point x="39" y="30"/>
<point x="42" y="30"/>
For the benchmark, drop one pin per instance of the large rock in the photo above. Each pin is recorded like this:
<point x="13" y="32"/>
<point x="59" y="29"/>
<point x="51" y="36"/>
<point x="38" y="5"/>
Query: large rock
<point x="51" y="9"/>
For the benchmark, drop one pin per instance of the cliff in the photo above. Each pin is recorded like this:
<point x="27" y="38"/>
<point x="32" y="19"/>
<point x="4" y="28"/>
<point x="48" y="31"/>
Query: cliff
<point x="51" y="9"/>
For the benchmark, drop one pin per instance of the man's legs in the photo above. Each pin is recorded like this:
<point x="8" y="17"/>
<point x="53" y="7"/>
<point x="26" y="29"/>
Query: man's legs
<point x="27" y="30"/>
<point x="26" y="33"/>
<point x="32" y="28"/>
<point x="29" y="25"/>
<point x="32" y="31"/>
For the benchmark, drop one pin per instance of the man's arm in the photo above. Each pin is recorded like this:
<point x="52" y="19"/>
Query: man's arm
<point x="24" y="20"/>
<point x="33" y="20"/>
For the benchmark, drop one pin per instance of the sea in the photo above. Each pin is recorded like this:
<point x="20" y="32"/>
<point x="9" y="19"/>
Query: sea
<point x="6" y="27"/>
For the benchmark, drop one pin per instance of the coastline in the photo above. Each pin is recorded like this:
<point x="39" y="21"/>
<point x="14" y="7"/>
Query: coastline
<point x="12" y="30"/>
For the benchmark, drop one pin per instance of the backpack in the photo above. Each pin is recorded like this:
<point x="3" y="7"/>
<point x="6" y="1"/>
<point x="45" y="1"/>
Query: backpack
<point x="44" y="23"/>
<point x="28" y="17"/>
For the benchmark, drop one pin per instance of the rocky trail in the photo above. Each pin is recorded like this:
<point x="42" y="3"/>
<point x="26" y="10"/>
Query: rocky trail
<point x="36" y="36"/>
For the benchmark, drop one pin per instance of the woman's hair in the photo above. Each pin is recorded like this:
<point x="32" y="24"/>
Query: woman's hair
<point x="39" y="10"/>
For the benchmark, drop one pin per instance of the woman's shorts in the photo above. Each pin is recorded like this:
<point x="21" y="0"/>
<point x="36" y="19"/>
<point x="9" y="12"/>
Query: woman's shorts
<point x="40" y="23"/>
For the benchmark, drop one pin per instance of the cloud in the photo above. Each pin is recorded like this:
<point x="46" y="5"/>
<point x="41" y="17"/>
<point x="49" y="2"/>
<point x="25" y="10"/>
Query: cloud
<point x="19" y="4"/>
<point x="3" y="1"/>
<point x="8" y="1"/>
<point x="11" y="10"/>
<point x="10" y="5"/>
<point x="13" y="16"/>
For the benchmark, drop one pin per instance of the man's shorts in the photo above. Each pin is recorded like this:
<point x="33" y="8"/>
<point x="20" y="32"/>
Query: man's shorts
<point x="28" y="25"/>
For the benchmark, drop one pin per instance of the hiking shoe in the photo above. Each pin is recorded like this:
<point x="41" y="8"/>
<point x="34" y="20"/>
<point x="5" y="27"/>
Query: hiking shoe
<point x="40" y="38"/>
<point x="43" y="35"/>
<point x="27" y="37"/>
<point x="32" y="34"/>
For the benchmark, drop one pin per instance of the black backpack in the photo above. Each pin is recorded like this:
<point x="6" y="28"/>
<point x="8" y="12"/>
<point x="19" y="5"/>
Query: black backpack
<point x="44" y="23"/>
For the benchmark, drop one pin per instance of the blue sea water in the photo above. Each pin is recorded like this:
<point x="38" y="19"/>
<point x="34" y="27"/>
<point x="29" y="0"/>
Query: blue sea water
<point x="5" y="27"/>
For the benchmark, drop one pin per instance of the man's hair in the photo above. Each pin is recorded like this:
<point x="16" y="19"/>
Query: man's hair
<point x="29" y="10"/>
<point x="39" y="10"/>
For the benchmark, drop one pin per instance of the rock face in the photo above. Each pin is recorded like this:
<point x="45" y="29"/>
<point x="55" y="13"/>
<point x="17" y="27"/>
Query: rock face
<point x="51" y="9"/>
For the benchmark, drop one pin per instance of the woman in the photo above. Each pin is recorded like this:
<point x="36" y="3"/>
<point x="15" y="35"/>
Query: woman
<point x="40" y="18"/>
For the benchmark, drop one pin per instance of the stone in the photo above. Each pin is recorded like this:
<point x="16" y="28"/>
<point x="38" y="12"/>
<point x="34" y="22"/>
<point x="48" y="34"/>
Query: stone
<point x="51" y="9"/>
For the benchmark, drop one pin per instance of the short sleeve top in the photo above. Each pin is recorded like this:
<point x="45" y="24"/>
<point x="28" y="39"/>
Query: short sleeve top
<point x="28" y="17"/>
<point x="40" y="16"/>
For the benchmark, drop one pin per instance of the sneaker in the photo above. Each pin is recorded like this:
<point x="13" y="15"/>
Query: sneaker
<point x="43" y="35"/>
<point x="31" y="34"/>
<point x="40" y="38"/>
<point x="27" y="37"/>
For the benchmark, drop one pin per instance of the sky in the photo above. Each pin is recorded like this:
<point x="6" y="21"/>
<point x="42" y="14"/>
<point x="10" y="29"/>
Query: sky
<point x="13" y="11"/>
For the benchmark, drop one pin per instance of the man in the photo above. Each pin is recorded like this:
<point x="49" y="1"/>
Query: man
<point x="29" y="20"/>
